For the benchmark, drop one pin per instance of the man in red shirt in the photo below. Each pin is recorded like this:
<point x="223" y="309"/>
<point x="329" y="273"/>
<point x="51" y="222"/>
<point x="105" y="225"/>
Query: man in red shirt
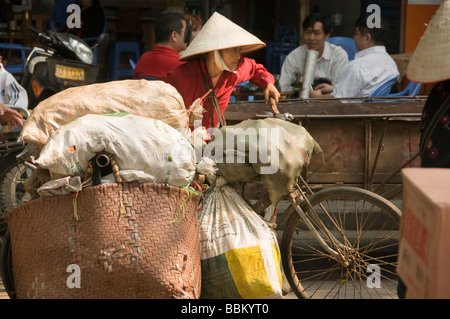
<point x="215" y="61"/>
<point x="171" y="38"/>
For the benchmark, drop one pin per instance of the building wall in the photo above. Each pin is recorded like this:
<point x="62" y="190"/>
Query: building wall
<point x="417" y="17"/>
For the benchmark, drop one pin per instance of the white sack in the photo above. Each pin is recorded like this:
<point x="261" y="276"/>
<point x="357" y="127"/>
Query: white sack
<point x="153" y="99"/>
<point x="129" y="176"/>
<point x="62" y="186"/>
<point x="138" y="143"/>
<point x="239" y="253"/>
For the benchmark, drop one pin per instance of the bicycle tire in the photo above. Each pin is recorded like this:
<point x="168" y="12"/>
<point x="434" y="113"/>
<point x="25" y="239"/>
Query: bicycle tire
<point x="313" y="272"/>
<point x="6" y="267"/>
<point x="12" y="186"/>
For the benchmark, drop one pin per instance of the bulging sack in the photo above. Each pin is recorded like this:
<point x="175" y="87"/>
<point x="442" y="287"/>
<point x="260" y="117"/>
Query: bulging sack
<point x="239" y="253"/>
<point x="153" y="99"/>
<point x="137" y="143"/>
<point x="273" y="149"/>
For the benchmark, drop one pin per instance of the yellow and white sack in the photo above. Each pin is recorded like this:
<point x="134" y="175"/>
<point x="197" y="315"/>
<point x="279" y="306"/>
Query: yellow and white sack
<point x="137" y="143"/>
<point x="239" y="253"/>
<point x="153" y="99"/>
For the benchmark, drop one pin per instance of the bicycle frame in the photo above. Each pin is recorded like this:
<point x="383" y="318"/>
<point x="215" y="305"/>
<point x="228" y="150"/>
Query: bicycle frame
<point x="295" y="198"/>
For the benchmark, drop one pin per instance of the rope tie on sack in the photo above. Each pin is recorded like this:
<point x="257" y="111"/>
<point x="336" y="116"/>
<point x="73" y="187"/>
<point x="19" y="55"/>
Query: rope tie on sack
<point x="181" y="208"/>
<point x="87" y="181"/>
<point x="119" y="181"/>
<point x="198" y="102"/>
<point x="75" y="208"/>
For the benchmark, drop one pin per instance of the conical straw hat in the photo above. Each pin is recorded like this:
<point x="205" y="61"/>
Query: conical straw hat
<point x="220" y="33"/>
<point x="430" y="62"/>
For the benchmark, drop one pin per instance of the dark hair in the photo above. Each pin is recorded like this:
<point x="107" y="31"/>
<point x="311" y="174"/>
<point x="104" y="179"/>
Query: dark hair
<point x="166" y="23"/>
<point x="197" y="22"/>
<point x="379" y="35"/>
<point x="317" y="17"/>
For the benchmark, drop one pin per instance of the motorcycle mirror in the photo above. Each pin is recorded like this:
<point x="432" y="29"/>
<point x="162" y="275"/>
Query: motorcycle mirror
<point x="103" y="39"/>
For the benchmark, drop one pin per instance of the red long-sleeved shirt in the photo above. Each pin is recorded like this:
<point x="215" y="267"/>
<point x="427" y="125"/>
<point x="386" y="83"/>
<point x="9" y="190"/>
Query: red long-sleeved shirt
<point x="188" y="80"/>
<point x="157" y="62"/>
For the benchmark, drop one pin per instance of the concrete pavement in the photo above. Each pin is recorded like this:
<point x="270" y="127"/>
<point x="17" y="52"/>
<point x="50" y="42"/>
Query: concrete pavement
<point x="3" y="294"/>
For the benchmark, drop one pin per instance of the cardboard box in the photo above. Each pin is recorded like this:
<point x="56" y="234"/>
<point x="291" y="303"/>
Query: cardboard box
<point x="424" y="248"/>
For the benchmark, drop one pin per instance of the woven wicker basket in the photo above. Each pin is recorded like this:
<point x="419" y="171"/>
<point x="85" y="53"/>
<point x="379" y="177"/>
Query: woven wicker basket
<point x="145" y="254"/>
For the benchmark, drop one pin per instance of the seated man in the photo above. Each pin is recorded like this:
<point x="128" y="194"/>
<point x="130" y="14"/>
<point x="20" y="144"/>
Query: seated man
<point x="372" y="65"/>
<point x="172" y="35"/>
<point x="330" y="61"/>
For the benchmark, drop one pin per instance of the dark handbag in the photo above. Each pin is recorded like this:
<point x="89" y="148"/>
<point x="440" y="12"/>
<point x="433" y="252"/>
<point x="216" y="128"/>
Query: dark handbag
<point x="432" y="125"/>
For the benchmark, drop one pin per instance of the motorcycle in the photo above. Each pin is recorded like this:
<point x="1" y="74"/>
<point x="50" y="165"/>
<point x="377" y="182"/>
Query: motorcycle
<point x="63" y="61"/>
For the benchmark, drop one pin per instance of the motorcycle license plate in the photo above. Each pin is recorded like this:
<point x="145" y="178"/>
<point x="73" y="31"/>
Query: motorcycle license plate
<point x="68" y="73"/>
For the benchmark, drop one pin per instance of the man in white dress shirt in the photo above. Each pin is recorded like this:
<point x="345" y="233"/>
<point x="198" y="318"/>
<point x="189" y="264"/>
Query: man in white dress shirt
<point x="372" y="65"/>
<point x="330" y="60"/>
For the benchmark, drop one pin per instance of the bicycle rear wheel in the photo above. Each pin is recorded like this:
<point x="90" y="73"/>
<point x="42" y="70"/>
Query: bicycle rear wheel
<point x="367" y="227"/>
<point x="13" y="175"/>
<point x="6" y="266"/>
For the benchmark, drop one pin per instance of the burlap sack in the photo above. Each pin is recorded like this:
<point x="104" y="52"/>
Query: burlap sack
<point x="273" y="149"/>
<point x="154" y="99"/>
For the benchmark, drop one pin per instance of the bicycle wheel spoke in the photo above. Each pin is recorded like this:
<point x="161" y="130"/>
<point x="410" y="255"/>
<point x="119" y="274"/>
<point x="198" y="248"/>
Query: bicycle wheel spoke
<point x="324" y="276"/>
<point x="314" y="274"/>
<point x="385" y="288"/>
<point x="362" y="227"/>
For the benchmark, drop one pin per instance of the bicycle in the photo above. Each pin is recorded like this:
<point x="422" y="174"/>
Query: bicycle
<point x="13" y="171"/>
<point x="13" y="174"/>
<point x="338" y="242"/>
<point x="333" y="239"/>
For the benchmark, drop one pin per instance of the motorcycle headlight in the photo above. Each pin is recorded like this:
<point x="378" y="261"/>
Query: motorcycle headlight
<point x="82" y="50"/>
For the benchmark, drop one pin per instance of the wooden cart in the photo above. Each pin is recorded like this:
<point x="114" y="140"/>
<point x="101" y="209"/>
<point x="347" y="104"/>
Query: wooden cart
<point x="366" y="142"/>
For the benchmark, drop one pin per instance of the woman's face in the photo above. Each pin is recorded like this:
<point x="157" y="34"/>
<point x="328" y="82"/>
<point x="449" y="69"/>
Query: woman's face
<point x="231" y="57"/>
<point x="195" y="31"/>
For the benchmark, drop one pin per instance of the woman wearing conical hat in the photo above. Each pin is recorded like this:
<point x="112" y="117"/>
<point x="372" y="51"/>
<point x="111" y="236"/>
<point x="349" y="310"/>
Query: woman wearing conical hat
<point x="430" y="64"/>
<point x="214" y="61"/>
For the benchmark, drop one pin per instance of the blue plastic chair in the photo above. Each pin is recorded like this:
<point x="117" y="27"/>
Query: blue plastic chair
<point x="118" y="48"/>
<point x="285" y="40"/>
<point x="132" y="63"/>
<point x="384" y="88"/>
<point x="288" y="43"/>
<point x="15" y="68"/>
<point x="412" y="89"/>
<point x="348" y="44"/>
